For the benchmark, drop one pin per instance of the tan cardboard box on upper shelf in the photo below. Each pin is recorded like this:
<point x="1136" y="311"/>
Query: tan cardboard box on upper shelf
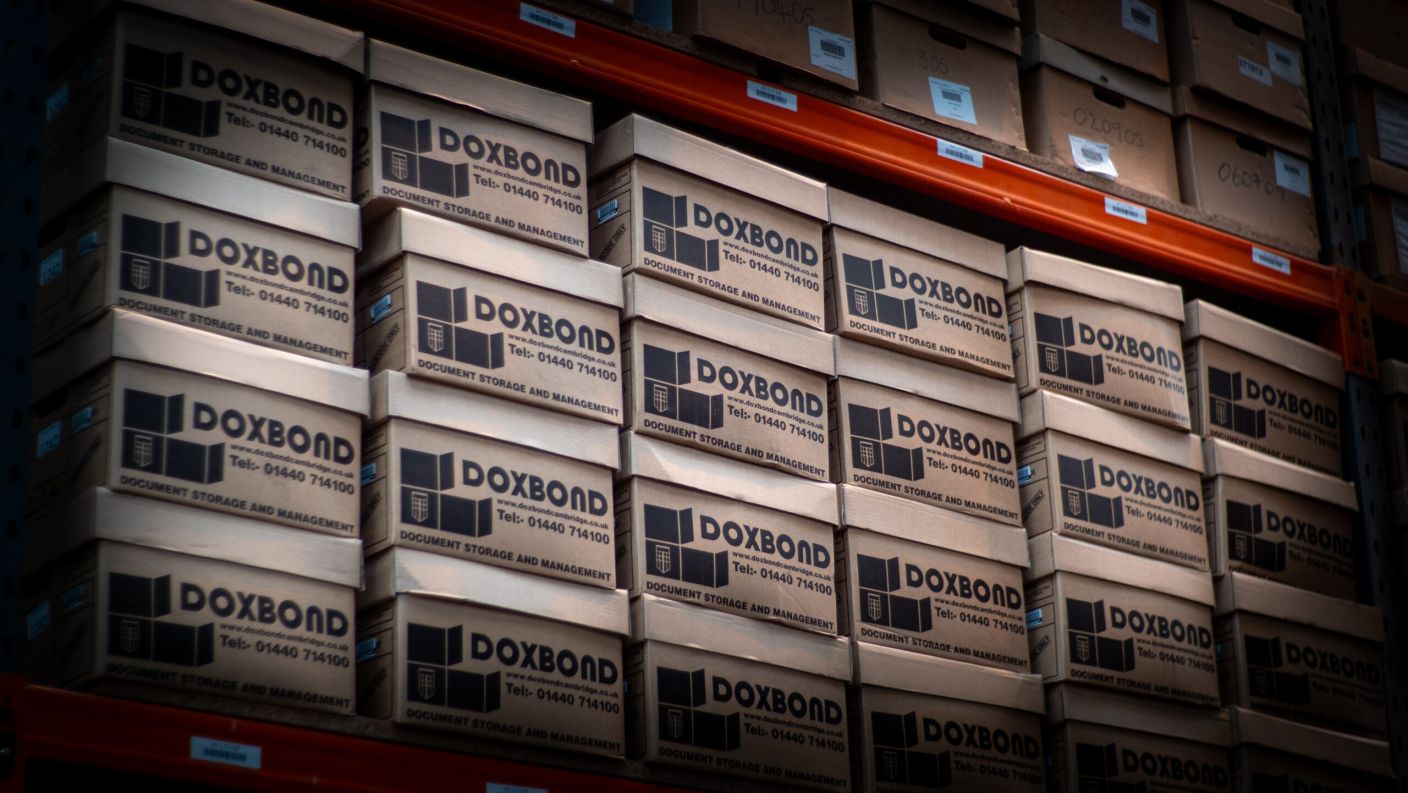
<point x="1246" y="51"/>
<point x="818" y="39"/>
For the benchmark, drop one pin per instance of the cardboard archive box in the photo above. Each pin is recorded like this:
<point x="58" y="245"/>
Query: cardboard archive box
<point x="818" y="39"/>
<point x="1129" y="33"/>
<point x="1246" y="51"/>
<point x="1275" y="754"/>
<point x="1376" y="107"/>
<point x="1381" y="220"/>
<point x="1393" y="381"/>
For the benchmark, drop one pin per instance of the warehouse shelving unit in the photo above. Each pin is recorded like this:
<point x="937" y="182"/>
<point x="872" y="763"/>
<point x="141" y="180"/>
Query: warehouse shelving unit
<point x="43" y="729"/>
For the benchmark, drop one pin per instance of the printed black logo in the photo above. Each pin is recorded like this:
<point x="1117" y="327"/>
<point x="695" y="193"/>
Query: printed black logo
<point x="865" y="279"/>
<point x="667" y="533"/>
<point x="440" y="310"/>
<point x="148" y="421"/>
<point x="878" y="578"/>
<point x="146" y="244"/>
<point x="1086" y="621"/>
<point x="1264" y="661"/>
<point x="1096" y="766"/>
<point x="1224" y="392"/>
<point x="134" y="604"/>
<point x="1244" y="523"/>
<point x="404" y="144"/>
<point x="667" y="370"/>
<point x="1077" y="478"/>
<point x="681" y="695"/>
<point x="663" y="216"/>
<point x="896" y="759"/>
<point x="870" y="428"/>
<point x="423" y="477"/>
<point x="147" y="77"/>
<point x="1053" y="336"/>
<point x="430" y="652"/>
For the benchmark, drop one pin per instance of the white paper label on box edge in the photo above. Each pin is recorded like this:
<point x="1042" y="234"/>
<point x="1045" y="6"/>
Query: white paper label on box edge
<point x="952" y="100"/>
<point x="548" y="20"/>
<point x="1268" y="259"/>
<point x="1126" y="210"/>
<point x="1285" y="63"/>
<point x="1292" y="173"/>
<point x="1140" y="19"/>
<point x="1254" y="70"/>
<point x="1400" y="232"/>
<point x="833" y="52"/>
<point x="1092" y="156"/>
<point x="773" y="96"/>
<point x="962" y="154"/>
<point x="226" y="753"/>
<point x="1391" y="115"/>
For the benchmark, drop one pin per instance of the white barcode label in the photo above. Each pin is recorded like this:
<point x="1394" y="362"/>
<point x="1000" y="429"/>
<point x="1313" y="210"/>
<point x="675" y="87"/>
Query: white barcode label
<point x="1126" y="210"/>
<point x="1254" y="70"/>
<point x="226" y="753"/>
<point x="547" y="19"/>
<point x="1391" y="116"/>
<point x="953" y="100"/>
<point x="833" y="52"/>
<point x="499" y="787"/>
<point x="962" y="154"/>
<point x="1400" y="232"/>
<point x="773" y="96"/>
<point x="1268" y="259"/>
<point x="1092" y="156"/>
<point x="1285" y="63"/>
<point x="1292" y="173"/>
<point x="51" y="267"/>
<point x="1140" y="19"/>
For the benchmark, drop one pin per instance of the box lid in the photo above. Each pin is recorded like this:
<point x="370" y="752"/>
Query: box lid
<point x="1044" y="410"/>
<point x="1249" y="593"/>
<point x="101" y="514"/>
<point x="1313" y="743"/>
<point x="683" y="310"/>
<point x="638" y="136"/>
<point x="1040" y="49"/>
<point x="968" y="390"/>
<point x="136" y="337"/>
<point x="1241" y="120"/>
<point x="995" y="29"/>
<point x="1207" y="321"/>
<point x="917" y="233"/>
<point x="497" y="96"/>
<point x="1229" y="459"/>
<point x="408" y="231"/>
<point x="1370" y="67"/>
<point x="260" y="20"/>
<point x="406" y="571"/>
<point x="1373" y="171"/>
<point x="1074" y="702"/>
<point x="902" y="670"/>
<point x="1393" y="377"/>
<point x="120" y="162"/>
<point x="1268" y="13"/>
<point x="650" y="458"/>
<point x="902" y="518"/>
<point x="398" y="395"/>
<point x="1056" y="553"/>
<point x="1025" y="265"/>
<point x="656" y="619"/>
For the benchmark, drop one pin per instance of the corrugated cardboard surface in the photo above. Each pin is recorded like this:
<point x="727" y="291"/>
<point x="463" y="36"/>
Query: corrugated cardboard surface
<point x="901" y="670"/>
<point x="1245" y="593"/>
<point x="115" y="610"/>
<point x="1255" y="766"/>
<point x="1044" y="410"/>
<point x="781" y="33"/>
<point x="1383" y="248"/>
<point x="888" y="224"/>
<point x="1084" y="752"/>
<point x="923" y="379"/>
<point x="904" y="518"/>
<point x="1052" y="553"/>
<point x="184" y="88"/>
<point x="435" y="663"/>
<point x="1073" y="702"/>
<point x="1129" y="33"/>
<point x="1208" y="321"/>
<point x="1314" y="744"/>
<point x="1376" y="106"/>
<point x="1026" y="265"/>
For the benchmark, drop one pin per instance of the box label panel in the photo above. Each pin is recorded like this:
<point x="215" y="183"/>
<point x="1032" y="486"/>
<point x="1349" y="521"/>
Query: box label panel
<point x="1283" y="536"/>
<point x="1094" y="756"/>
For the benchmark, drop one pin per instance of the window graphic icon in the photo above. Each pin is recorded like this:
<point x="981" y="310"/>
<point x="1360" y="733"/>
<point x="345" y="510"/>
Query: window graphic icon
<point x="866" y="450"/>
<point x="141" y="274"/>
<point x="682" y="718"/>
<point x="143" y="102"/>
<point x="674" y="723"/>
<point x="405" y="143"/>
<point x="878" y="579"/>
<point x="425" y="683"/>
<point x="865" y="285"/>
<point x="440" y="310"/>
<point x="666" y="371"/>
<point x="1054" y="335"/>
<point x="668" y="534"/>
<point x="431" y="655"/>
<point x="142" y="446"/>
<point x="664" y="218"/>
<point x="658" y="240"/>
<point x="1266" y="680"/>
<point x="874" y="606"/>
<point x="400" y="165"/>
<point x="664" y="560"/>
<point x="1096" y="767"/>
<point x="136" y="605"/>
<point x="148" y="423"/>
<point x="870" y="427"/>
<point x="1224" y="392"/>
<point x="420" y="505"/>
<point x="435" y="338"/>
<point x="861" y="302"/>
<point x="1073" y="504"/>
<point x="424" y="478"/>
<point x="1052" y="358"/>
<point x="660" y="397"/>
<point x="898" y="760"/>
<point x="143" y="267"/>
<point x="1077" y="477"/>
<point x="1219" y="412"/>
<point x="129" y="635"/>
<point x="148" y="77"/>
<point x="1086" y="623"/>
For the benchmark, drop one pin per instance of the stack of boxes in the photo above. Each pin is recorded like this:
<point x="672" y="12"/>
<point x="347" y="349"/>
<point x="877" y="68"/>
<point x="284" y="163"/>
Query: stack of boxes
<point x="1393" y="380"/>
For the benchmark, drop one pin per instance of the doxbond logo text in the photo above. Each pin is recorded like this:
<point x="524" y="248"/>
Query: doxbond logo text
<point x="1246" y="523"/>
<point x="511" y="652"/>
<point x="260" y="91"/>
<point x="530" y="486"/>
<point x="748" y="232"/>
<point x="958" y="585"/>
<point x="765" y="541"/>
<point x="759" y="387"/>
<point x="406" y="142"/>
<point x="265" y="261"/>
<point x="264" y="609"/>
<point x="1228" y="393"/>
<point x="1098" y="764"/>
<point x="954" y="438"/>
<point x="536" y="322"/>
<point x="266" y="431"/>
<point x="772" y="699"/>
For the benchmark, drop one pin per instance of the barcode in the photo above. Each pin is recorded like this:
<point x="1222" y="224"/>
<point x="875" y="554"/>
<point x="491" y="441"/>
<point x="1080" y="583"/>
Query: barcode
<point x="546" y="21"/>
<point x="952" y="96"/>
<point x="768" y="93"/>
<point x="833" y="49"/>
<point x="772" y="96"/>
<point x="1290" y="169"/>
<point x="1141" y="16"/>
<point x="222" y="754"/>
<point x="1092" y="154"/>
<point x="1283" y="58"/>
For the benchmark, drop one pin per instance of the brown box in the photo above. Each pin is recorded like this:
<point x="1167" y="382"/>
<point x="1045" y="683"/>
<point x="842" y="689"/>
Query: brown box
<point x="1097" y="117"/>
<point x="945" y="64"/>
<point x="1375" y="26"/>
<point x="1300" y="655"/>
<point x="1247" y="51"/>
<point x="474" y="477"/>
<point x="491" y="314"/>
<point x="1376" y="108"/>
<point x="139" y="405"/>
<point x="818" y="39"/>
<point x="939" y="583"/>
<point x="914" y="286"/>
<point x="201" y="246"/>
<point x="739" y="538"/>
<point x="1126" y="32"/>
<point x="209" y="86"/>
<point x="927" y="723"/>
<point x="1279" y="521"/>
<point x="729" y="381"/>
<point x="730" y="695"/>
<point x="1111" y="480"/>
<point x="456" y="645"/>
<point x="129" y="588"/>
<point x="698" y="215"/>
<point x="1393" y="381"/>
<point x="919" y="430"/>
<point x="1291" y="756"/>
<point x="1381" y="220"/>
<point x="1098" y="335"/>
<point x="1263" y="389"/>
<point x="1105" y="740"/>
<point x="1247" y="168"/>
<point x="472" y="147"/>
<point x="1101" y="617"/>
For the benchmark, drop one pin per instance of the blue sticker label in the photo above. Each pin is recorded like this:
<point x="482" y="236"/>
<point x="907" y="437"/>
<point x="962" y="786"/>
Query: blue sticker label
<point x="74" y="599"/>
<point x="608" y="210"/>
<point x="1034" y="619"/>
<point x="226" y="753"/>
<point x="368" y="473"/>
<point x="88" y="243"/>
<point x="547" y="19"/>
<point x="49" y="439"/>
<point x="56" y="102"/>
<point x="37" y="621"/>
<point x="380" y="308"/>
<point x="82" y="418"/>
<point x="1024" y="474"/>
<point x="366" y="649"/>
<point x="52" y="267"/>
